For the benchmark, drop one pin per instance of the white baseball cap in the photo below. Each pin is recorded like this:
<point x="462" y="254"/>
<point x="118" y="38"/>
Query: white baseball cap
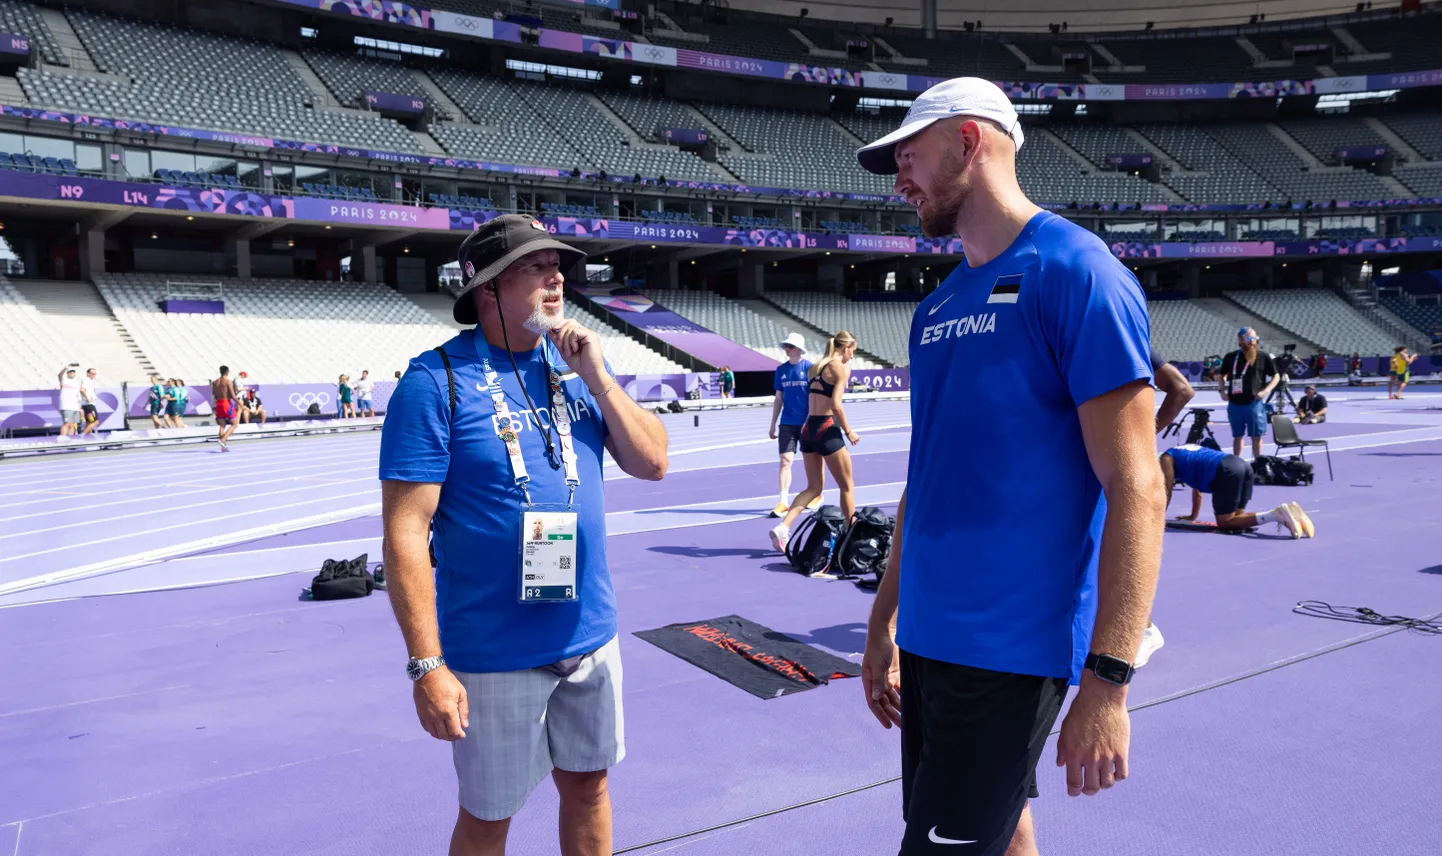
<point x="795" y="341"/>
<point x="961" y="96"/>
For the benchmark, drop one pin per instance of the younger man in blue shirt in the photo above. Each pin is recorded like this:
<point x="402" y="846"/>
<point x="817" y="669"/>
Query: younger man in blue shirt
<point x="1229" y="480"/>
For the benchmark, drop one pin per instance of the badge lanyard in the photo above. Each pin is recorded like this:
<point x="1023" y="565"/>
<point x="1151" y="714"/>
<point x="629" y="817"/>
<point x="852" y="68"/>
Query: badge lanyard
<point x="506" y="429"/>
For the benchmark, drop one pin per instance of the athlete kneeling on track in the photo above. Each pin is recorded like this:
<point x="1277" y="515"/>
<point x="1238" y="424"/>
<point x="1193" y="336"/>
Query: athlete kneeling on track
<point x="1228" y="479"/>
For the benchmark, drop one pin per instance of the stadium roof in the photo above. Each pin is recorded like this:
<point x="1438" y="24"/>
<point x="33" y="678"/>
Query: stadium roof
<point x="1038" y="15"/>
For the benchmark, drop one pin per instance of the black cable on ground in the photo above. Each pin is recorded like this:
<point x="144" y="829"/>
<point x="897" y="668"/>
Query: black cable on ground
<point x="1391" y="625"/>
<point x="1363" y="615"/>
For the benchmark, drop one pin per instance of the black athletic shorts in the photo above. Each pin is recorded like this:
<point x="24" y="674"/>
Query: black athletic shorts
<point x="89" y="412"/>
<point x="970" y="742"/>
<point x="788" y="438"/>
<point x="821" y="436"/>
<point x="1232" y="486"/>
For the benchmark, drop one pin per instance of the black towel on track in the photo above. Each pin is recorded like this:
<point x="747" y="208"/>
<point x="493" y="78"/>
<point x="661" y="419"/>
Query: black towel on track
<point x="757" y="659"/>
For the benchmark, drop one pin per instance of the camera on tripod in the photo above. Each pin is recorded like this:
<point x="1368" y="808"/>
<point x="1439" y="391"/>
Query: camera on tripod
<point x="1200" y="432"/>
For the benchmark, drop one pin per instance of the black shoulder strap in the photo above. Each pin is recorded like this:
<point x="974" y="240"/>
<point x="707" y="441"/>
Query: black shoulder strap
<point x="450" y="377"/>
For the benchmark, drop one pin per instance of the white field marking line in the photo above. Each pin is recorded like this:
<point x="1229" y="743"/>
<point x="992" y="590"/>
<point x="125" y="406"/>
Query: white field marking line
<point x="228" y="484"/>
<point x="191" y="546"/>
<point x="770" y="461"/>
<point x="697" y="840"/>
<point x="67" y="463"/>
<point x="720" y="446"/>
<point x="93" y="700"/>
<point x="221" y="779"/>
<point x="737" y="500"/>
<point x="19" y="828"/>
<point x="185" y="507"/>
<point x="135" y="473"/>
<point x="148" y="589"/>
<point x="1391" y="443"/>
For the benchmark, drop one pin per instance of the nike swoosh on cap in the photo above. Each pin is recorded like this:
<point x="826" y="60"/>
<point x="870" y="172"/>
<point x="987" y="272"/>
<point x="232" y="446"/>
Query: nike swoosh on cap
<point x="932" y="310"/>
<point x="937" y="839"/>
<point x="1006" y="289"/>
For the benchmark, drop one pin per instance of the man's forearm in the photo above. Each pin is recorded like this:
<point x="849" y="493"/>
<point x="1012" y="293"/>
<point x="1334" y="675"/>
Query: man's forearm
<point x="638" y="436"/>
<point x="1131" y="553"/>
<point x="883" y="608"/>
<point x="775" y="410"/>
<point x="411" y="585"/>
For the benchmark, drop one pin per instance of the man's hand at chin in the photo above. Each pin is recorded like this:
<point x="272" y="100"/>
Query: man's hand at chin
<point x="581" y="349"/>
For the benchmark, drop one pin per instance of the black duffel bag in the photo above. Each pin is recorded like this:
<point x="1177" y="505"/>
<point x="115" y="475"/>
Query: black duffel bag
<point x="339" y="580"/>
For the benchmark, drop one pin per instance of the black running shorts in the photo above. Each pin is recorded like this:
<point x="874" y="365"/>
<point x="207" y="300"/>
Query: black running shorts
<point x="970" y="742"/>
<point x="788" y="437"/>
<point x="1231" y="486"/>
<point x="821" y="436"/>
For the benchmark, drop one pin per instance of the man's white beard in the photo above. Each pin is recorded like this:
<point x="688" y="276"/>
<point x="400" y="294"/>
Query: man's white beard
<point x="541" y="321"/>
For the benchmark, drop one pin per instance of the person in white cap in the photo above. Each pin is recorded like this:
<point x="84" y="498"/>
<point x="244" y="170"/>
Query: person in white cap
<point x="988" y="609"/>
<point x="790" y="406"/>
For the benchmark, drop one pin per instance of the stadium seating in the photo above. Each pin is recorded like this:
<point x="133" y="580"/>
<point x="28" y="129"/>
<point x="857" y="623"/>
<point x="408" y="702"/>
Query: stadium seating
<point x="559" y="209"/>
<point x="1215" y="174"/>
<point x="1283" y="169"/>
<point x="189" y="78"/>
<point x="787" y="148"/>
<point x="1320" y="316"/>
<point x="20" y="17"/>
<point x="626" y="355"/>
<point x="880" y="328"/>
<point x="32" y="351"/>
<point x="734" y="321"/>
<point x="1423" y="179"/>
<point x="646" y="113"/>
<point x="1423" y="317"/>
<point x="1421" y="131"/>
<point x="462" y="200"/>
<point x="1186" y="58"/>
<point x="1322" y="136"/>
<point x="738" y="37"/>
<point x="279" y="331"/>
<point x="348" y="77"/>
<point x="680" y="218"/>
<point x="35" y="163"/>
<point x="1182" y="330"/>
<point x="757" y="222"/>
<point x="954" y="54"/>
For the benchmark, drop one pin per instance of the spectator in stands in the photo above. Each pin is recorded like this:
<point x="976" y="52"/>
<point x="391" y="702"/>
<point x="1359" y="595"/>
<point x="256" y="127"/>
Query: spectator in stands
<point x="1401" y="370"/>
<point x="824" y="436"/>
<point x="1312" y="408"/>
<point x="365" y="391"/>
<point x="242" y="381"/>
<point x="1247" y="377"/>
<point x="536" y="687"/>
<point x="728" y="382"/>
<point x="343" y="407"/>
<point x="251" y="406"/>
<point x="972" y="656"/>
<point x="790" y="407"/>
<point x="222" y="392"/>
<point x="156" y="401"/>
<point x="89" y="387"/>
<point x="69" y="401"/>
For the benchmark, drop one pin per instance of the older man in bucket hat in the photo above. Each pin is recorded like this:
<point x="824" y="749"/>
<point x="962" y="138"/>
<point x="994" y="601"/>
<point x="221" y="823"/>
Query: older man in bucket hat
<point x="988" y="609"/>
<point x="490" y="439"/>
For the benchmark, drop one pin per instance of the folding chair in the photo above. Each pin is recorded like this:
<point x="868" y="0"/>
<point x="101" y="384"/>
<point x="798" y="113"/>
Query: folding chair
<point x="1284" y="434"/>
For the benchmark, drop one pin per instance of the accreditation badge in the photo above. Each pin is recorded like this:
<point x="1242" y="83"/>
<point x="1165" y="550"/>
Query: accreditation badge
<point x="548" y="555"/>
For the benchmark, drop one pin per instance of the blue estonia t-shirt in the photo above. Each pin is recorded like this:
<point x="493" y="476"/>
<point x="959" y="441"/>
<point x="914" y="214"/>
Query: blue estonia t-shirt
<point x="1004" y="514"/>
<point x="1196" y="466"/>
<point x="484" y="627"/>
<point x="790" y="381"/>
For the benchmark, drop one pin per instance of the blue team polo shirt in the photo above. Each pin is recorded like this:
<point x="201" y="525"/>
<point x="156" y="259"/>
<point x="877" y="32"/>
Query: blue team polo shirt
<point x="1196" y="466"/>
<point x="790" y="381"/>
<point x="1003" y="512"/>
<point x="484" y="627"/>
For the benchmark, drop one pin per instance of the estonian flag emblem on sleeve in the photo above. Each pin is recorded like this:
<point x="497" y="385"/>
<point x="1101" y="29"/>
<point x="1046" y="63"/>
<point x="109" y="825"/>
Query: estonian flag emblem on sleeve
<point x="1006" y="289"/>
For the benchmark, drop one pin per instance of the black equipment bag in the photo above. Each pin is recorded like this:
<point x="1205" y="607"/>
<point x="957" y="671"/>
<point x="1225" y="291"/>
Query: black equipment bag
<point x="863" y="551"/>
<point x="339" y="580"/>
<point x="813" y="544"/>
<point x="1283" y="472"/>
<point x="313" y="410"/>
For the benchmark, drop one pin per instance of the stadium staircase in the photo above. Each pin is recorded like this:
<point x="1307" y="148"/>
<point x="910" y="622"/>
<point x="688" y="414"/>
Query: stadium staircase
<point x="1273" y="336"/>
<point x="1362" y="299"/>
<point x="78" y="313"/>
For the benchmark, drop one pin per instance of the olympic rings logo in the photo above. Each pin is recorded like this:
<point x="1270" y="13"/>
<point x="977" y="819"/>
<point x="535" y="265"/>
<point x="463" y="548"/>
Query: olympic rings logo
<point x="465" y="23"/>
<point x="303" y="400"/>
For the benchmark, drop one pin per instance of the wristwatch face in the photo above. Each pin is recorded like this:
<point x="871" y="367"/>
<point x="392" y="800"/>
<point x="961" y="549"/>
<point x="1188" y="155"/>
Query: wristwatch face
<point x="413" y="670"/>
<point x="1112" y="670"/>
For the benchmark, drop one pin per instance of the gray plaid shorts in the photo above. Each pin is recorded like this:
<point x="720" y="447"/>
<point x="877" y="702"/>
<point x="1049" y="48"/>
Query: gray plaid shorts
<point x="525" y="723"/>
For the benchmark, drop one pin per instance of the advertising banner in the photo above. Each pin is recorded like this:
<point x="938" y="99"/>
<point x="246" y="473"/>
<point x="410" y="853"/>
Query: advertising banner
<point x="1130" y="161"/>
<point x="390" y="102"/>
<point x="193" y="307"/>
<point x="31" y="409"/>
<point x="1352" y="154"/>
<point x="671" y="387"/>
<point x="684" y="136"/>
<point x="679" y="332"/>
<point x="884" y="380"/>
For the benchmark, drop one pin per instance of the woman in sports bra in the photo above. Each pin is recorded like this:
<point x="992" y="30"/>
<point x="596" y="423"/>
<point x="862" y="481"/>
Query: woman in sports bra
<point x="824" y="436"/>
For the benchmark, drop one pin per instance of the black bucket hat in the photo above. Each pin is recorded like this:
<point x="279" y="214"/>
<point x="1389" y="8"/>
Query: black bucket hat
<point x="495" y="246"/>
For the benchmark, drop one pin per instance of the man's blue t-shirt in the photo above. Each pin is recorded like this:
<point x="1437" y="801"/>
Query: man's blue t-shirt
<point x="1003" y="511"/>
<point x="484" y="627"/>
<point x="1195" y="466"/>
<point x="790" y="381"/>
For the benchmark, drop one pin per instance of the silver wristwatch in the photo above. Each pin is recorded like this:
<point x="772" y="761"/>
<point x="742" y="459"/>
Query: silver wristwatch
<point x="417" y="669"/>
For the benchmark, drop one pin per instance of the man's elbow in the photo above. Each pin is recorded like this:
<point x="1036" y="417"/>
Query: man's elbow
<point x="1142" y="485"/>
<point x="648" y="468"/>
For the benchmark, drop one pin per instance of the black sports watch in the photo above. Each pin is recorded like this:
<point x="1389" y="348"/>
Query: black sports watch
<point x="1111" y="669"/>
